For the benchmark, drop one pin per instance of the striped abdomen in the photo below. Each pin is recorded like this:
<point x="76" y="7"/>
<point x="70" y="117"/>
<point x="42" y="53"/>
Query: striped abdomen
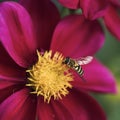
<point x="79" y="69"/>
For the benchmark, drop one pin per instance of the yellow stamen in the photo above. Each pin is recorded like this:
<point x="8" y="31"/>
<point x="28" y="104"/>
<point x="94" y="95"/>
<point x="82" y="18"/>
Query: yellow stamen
<point x="49" y="77"/>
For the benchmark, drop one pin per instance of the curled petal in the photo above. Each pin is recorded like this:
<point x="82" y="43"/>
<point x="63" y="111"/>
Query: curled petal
<point x="19" y="106"/>
<point x="73" y="37"/>
<point x="94" y="9"/>
<point x="98" y="78"/>
<point x="112" y="21"/>
<point x="73" y="4"/>
<point x="78" y="106"/>
<point x="16" y="33"/>
<point x="45" y="16"/>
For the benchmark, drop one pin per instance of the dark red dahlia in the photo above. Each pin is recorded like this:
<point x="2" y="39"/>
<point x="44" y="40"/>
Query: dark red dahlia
<point x="34" y="83"/>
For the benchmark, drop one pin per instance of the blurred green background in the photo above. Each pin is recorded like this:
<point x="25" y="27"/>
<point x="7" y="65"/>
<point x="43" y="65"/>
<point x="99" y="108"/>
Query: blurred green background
<point x="110" y="56"/>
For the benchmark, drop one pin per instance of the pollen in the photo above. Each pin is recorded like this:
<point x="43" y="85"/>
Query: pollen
<point x="49" y="77"/>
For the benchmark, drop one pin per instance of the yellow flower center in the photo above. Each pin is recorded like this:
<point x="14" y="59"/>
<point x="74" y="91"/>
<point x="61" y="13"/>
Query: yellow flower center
<point x="49" y="77"/>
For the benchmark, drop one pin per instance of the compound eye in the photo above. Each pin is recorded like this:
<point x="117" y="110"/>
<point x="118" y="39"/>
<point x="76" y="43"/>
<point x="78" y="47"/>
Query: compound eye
<point x="66" y="60"/>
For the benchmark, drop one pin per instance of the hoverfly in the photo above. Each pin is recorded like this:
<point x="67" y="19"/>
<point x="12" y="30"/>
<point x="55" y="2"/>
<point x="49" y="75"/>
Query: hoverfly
<point x="75" y="64"/>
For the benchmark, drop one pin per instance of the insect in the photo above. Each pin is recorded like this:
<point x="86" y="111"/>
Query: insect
<point x="75" y="64"/>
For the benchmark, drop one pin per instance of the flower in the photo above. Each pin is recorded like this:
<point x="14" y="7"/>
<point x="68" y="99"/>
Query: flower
<point x="94" y="9"/>
<point x="33" y="43"/>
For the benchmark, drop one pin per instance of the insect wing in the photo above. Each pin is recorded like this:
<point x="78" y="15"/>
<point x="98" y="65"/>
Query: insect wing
<point x="84" y="60"/>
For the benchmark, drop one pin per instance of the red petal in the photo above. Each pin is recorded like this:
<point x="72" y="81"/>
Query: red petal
<point x="98" y="78"/>
<point x="73" y="37"/>
<point x="112" y="21"/>
<point x="45" y="111"/>
<point x="61" y="112"/>
<point x="16" y="32"/>
<point x="45" y="16"/>
<point x="7" y="88"/>
<point x="93" y="9"/>
<point x="116" y="3"/>
<point x="19" y="106"/>
<point x="78" y="106"/>
<point x="8" y="68"/>
<point x="73" y="4"/>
